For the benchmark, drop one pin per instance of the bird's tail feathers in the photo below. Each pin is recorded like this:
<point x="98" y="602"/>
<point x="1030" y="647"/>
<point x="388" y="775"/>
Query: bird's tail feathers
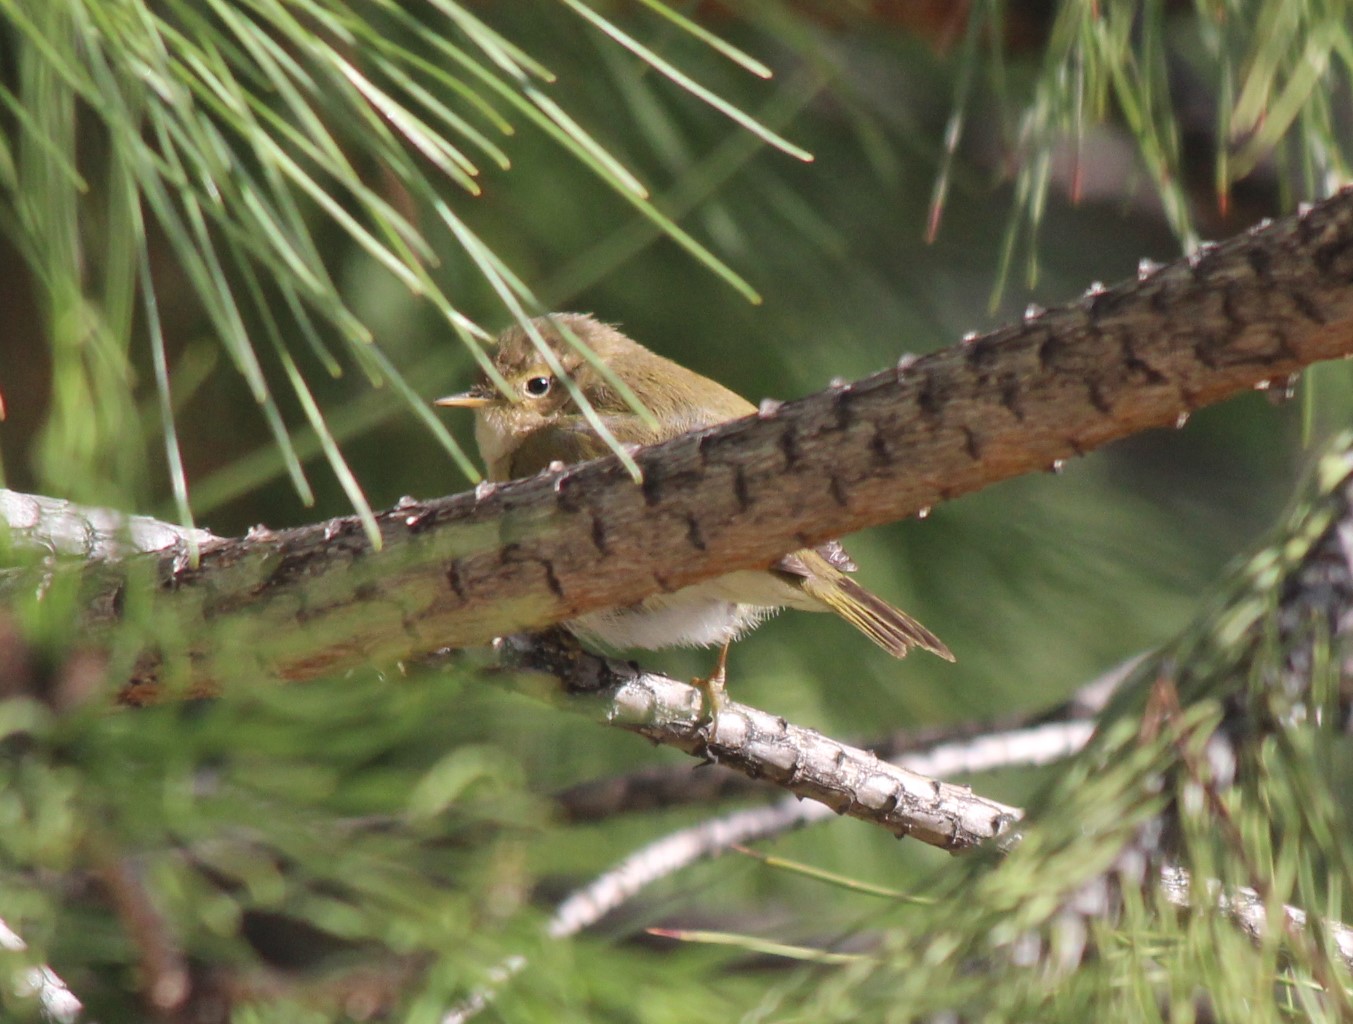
<point x="891" y="628"/>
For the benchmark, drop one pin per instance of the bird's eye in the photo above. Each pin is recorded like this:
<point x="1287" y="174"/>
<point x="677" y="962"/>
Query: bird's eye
<point x="538" y="387"/>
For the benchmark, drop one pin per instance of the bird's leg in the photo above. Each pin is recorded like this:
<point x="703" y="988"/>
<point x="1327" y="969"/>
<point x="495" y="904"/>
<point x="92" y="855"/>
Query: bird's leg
<point x="712" y="686"/>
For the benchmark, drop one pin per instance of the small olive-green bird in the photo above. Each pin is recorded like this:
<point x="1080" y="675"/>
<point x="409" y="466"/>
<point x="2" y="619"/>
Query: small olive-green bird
<point x="538" y="422"/>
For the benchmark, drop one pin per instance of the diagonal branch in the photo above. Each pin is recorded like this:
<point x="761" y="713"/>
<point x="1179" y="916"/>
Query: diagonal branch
<point x="842" y="778"/>
<point x="941" y="751"/>
<point x="461" y="570"/>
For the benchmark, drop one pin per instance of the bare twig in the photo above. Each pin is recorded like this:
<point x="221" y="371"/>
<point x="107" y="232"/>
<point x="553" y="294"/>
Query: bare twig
<point x="845" y="779"/>
<point x="654" y="787"/>
<point x="611" y="890"/>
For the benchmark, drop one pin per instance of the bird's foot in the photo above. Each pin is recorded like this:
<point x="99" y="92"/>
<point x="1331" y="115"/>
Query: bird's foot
<point x="715" y="693"/>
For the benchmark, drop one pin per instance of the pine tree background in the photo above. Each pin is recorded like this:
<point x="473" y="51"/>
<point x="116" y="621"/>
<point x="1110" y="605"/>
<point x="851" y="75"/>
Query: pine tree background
<point x="242" y="250"/>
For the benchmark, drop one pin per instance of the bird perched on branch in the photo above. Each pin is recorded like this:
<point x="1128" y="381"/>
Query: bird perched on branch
<point x="539" y="421"/>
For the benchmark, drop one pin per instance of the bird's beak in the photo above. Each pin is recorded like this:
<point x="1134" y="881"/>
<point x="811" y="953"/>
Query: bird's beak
<point x="475" y="398"/>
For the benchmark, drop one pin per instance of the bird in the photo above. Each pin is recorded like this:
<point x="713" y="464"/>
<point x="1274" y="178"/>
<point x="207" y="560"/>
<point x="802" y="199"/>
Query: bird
<point x="537" y="423"/>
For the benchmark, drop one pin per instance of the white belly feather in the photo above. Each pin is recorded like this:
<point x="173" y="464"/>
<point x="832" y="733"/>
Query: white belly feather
<point x="702" y="615"/>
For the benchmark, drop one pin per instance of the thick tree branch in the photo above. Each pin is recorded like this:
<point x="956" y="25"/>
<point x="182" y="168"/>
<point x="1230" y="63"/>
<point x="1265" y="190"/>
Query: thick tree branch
<point x="461" y="570"/>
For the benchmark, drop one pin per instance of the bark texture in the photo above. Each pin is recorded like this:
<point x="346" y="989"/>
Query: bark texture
<point x="846" y="779"/>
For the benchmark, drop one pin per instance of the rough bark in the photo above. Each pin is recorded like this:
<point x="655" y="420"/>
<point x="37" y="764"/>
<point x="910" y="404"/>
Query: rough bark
<point x="846" y="779"/>
<point x="461" y="570"/>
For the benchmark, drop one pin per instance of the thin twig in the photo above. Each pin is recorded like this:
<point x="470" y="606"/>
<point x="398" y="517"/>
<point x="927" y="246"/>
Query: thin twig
<point x="662" y="786"/>
<point x="846" y="779"/>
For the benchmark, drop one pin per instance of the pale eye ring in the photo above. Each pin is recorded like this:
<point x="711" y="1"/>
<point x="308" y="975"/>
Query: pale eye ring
<point x="538" y="387"/>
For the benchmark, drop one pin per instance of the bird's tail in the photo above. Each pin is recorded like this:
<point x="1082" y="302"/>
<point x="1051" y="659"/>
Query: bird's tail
<point x="891" y="628"/>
